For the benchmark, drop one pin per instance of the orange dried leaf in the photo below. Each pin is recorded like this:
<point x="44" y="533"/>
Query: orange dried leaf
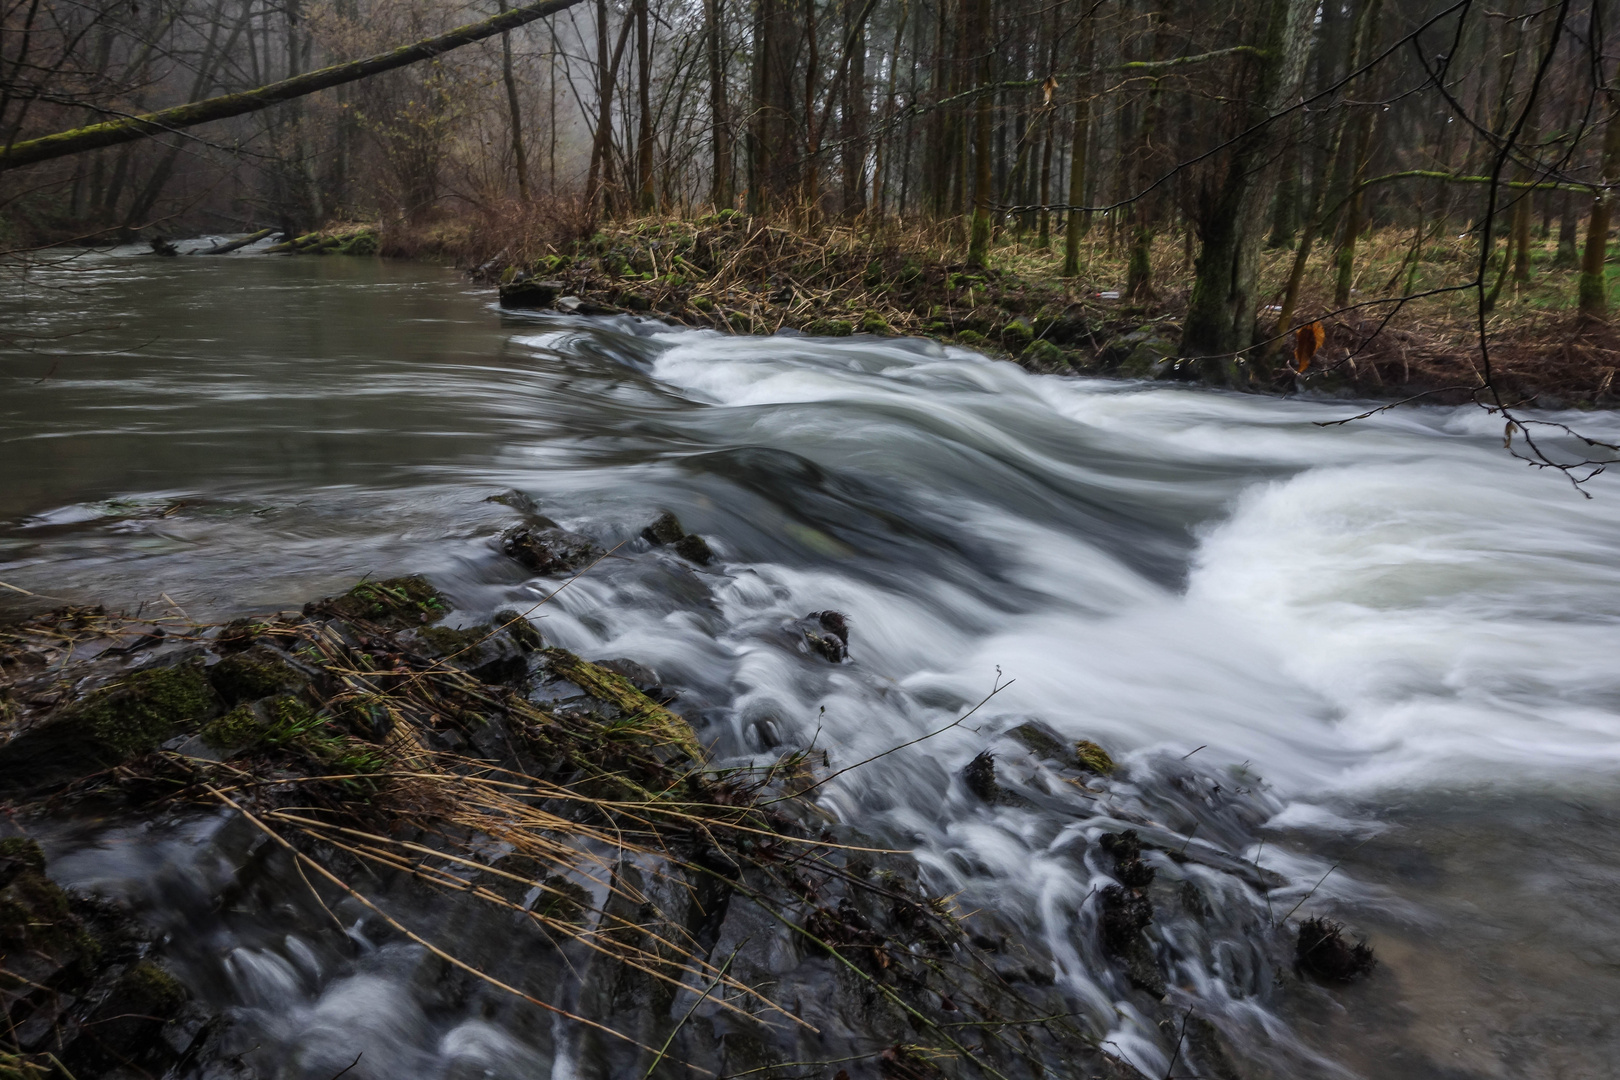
<point x="1307" y="339"/>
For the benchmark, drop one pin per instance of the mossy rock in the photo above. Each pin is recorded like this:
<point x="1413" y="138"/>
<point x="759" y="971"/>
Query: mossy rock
<point x="829" y="328"/>
<point x="1017" y="335"/>
<point x="1045" y="356"/>
<point x="641" y="718"/>
<point x="702" y="303"/>
<point x="1094" y="758"/>
<point x="873" y="323"/>
<point x="396" y="602"/>
<point x="1041" y="741"/>
<point x="517" y="626"/>
<point x="972" y="339"/>
<point x="143" y="711"/>
<point x="252" y="674"/>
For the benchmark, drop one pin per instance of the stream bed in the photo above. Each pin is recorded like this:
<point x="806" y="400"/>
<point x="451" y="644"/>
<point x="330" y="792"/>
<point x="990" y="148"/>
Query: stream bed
<point x="1397" y="642"/>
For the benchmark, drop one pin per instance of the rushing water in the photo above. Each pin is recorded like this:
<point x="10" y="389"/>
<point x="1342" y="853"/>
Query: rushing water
<point x="1408" y="635"/>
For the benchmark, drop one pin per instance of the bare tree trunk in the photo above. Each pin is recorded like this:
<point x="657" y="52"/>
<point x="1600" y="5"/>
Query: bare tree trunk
<point x="1074" y="225"/>
<point x="720" y="187"/>
<point x="1221" y="309"/>
<point x="644" y="140"/>
<point x="1594" y="299"/>
<point x="979" y="238"/>
<point x="516" y="115"/>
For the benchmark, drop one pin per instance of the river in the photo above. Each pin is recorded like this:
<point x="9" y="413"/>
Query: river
<point x="1401" y="638"/>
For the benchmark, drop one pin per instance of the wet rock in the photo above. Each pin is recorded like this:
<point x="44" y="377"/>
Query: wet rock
<point x="549" y="550"/>
<point x="529" y="293"/>
<point x="1126" y="848"/>
<point x="694" y="549"/>
<point x="518" y="627"/>
<point x="643" y="678"/>
<point x="666" y="531"/>
<point x="827" y="634"/>
<point x="75" y="983"/>
<point x="1125" y="915"/>
<point x="1042" y="741"/>
<point x="1144" y="354"/>
<point x="1322" y="951"/>
<point x="980" y="777"/>
<point x="491" y="655"/>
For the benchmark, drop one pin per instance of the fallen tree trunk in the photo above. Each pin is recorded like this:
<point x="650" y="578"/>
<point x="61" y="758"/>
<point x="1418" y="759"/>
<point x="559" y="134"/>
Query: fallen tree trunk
<point x="129" y="129"/>
<point x="254" y="238"/>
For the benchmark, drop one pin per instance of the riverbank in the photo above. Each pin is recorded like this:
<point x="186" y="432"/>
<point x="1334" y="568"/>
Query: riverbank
<point x="731" y="272"/>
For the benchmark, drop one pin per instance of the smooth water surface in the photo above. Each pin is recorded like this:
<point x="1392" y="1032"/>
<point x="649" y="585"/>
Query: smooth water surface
<point x="1407" y="634"/>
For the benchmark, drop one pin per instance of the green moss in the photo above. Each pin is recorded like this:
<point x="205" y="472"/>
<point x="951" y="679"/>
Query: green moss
<point x="247" y="676"/>
<point x="150" y="990"/>
<point x="829" y="327"/>
<point x="1044" y="355"/>
<point x="239" y="727"/>
<point x="401" y="601"/>
<point x="140" y="713"/>
<point x="445" y="641"/>
<point x="642" y="716"/>
<point x="363" y="242"/>
<point x="702" y="303"/>
<point x="23" y="850"/>
<point x="972" y="339"/>
<point x="1093" y="758"/>
<point x="1017" y="335"/>
<point x="873" y="323"/>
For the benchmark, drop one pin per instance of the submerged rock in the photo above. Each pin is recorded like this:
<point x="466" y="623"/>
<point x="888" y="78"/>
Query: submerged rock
<point x="549" y="550"/>
<point x="1322" y="951"/>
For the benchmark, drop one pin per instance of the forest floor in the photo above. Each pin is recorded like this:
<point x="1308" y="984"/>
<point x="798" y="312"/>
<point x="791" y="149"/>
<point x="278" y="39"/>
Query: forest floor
<point x="732" y="272"/>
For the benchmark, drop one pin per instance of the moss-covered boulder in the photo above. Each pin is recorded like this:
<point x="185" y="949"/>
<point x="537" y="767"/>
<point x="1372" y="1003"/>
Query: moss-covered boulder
<point x="124" y="719"/>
